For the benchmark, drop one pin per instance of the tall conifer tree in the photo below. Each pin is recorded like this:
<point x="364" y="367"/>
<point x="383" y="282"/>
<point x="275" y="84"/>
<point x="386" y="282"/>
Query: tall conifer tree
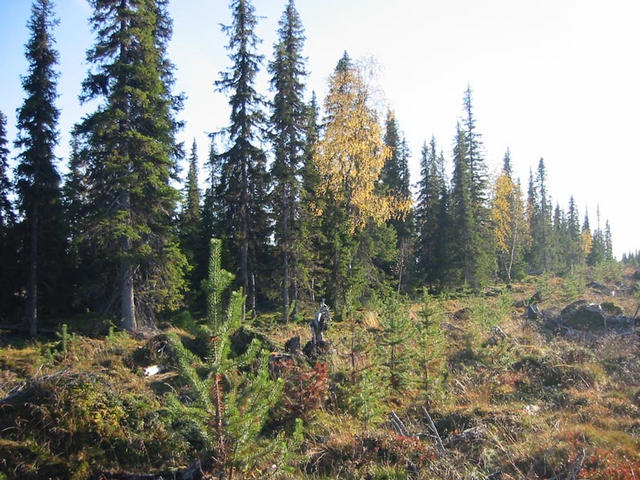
<point x="243" y="184"/>
<point x="573" y="243"/>
<point x="477" y="165"/>
<point x="586" y="238"/>
<point x="482" y="241"/>
<point x="190" y="224"/>
<point x="394" y="180"/>
<point x="395" y="173"/>
<point x="8" y="277"/>
<point x="6" y="212"/>
<point x="608" y="242"/>
<point x="349" y="158"/>
<point x="130" y="155"/>
<point x="391" y="176"/>
<point x="311" y="253"/>
<point x="287" y="125"/>
<point x="462" y="219"/>
<point x="210" y="204"/>
<point x="38" y="182"/>
<point x="559" y="236"/>
<point x="541" y="222"/>
<point x="428" y="213"/>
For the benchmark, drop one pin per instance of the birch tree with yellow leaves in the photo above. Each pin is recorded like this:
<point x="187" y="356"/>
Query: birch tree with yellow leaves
<point x="349" y="158"/>
<point x="509" y="220"/>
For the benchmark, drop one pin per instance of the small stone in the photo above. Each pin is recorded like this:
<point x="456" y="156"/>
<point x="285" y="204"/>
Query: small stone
<point x="531" y="409"/>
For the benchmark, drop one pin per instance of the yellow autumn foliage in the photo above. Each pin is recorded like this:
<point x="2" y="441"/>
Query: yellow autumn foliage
<point x="586" y="240"/>
<point x="502" y="212"/>
<point x="508" y="217"/>
<point x="351" y="154"/>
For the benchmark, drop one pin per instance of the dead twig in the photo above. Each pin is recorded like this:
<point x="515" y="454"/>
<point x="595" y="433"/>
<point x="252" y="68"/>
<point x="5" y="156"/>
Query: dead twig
<point x="433" y="429"/>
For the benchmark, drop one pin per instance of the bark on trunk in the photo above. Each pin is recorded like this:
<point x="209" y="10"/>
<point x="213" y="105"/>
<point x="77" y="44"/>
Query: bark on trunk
<point x="32" y="287"/>
<point x="285" y="287"/>
<point x="127" y="299"/>
<point x="127" y="304"/>
<point x="253" y="296"/>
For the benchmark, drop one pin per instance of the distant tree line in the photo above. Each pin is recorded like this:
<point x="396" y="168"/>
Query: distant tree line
<point x="631" y="258"/>
<point x="311" y="201"/>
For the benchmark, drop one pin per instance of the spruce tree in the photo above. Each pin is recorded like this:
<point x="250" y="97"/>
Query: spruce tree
<point x="427" y="213"/>
<point x="541" y="222"/>
<point x="86" y="266"/>
<point x="608" y="242"/>
<point x="287" y="126"/>
<point x="559" y="237"/>
<point x="573" y="242"/>
<point x="37" y="180"/>
<point x="586" y="238"/>
<point x="8" y="260"/>
<point x="7" y="216"/>
<point x="597" y="253"/>
<point x="190" y="226"/>
<point x="444" y="239"/>
<point x="210" y="220"/>
<point x="130" y="154"/>
<point x="243" y="187"/>
<point x="391" y="176"/>
<point x="349" y="158"/>
<point x="394" y="177"/>
<point x="394" y="180"/>
<point x="544" y="221"/>
<point x="532" y="202"/>
<point x="477" y="165"/>
<point x="311" y="253"/>
<point x="462" y="219"/>
<point x="483" y="255"/>
<point x="393" y="344"/>
<point x="231" y="395"/>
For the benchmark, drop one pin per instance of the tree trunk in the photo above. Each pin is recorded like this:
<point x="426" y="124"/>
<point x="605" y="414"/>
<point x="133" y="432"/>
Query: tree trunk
<point x="127" y="303"/>
<point x="336" y="286"/>
<point x="285" y="288"/>
<point x="32" y="286"/>
<point x="513" y="252"/>
<point x="126" y="295"/>
<point x="285" y="257"/>
<point x="244" y="268"/>
<point x="253" y="295"/>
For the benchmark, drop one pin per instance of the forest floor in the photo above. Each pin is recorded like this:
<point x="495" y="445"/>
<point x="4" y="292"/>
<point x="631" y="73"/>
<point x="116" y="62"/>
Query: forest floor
<point x="482" y="391"/>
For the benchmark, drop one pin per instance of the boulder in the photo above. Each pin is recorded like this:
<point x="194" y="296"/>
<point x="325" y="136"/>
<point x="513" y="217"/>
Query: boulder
<point x="583" y="315"/>
<point x="598" y="287"/>
<point x="292" y="345"/>
<point x="611" y="308"/>
<point x="242" y="338"/>
<point x="315" y="351"/>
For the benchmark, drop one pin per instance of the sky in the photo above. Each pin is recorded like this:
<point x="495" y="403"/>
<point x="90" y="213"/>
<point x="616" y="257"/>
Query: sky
<point x="557" y="79"/>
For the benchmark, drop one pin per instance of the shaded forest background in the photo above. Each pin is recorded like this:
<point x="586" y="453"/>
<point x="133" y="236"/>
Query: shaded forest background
<point x="312" y="199"/>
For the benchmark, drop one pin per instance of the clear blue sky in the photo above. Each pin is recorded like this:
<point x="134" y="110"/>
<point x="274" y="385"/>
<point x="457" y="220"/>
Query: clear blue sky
<point x="557" y="79"/>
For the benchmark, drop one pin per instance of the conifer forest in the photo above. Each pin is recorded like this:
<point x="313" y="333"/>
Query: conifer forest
<point x="302" y="307"/>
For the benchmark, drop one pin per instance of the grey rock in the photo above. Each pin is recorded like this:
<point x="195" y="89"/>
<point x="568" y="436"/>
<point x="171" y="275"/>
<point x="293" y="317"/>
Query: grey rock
<point x="583" y="315"/>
